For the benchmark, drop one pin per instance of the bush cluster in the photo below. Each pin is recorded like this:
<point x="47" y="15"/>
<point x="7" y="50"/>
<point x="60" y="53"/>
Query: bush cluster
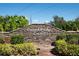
<point x="14" y="39"/>
<point x="5" y="49"/>
<point x="18" y="49"/>
<point x="63" y="48"/>
<point x="17" y="39"/>
<point x="1" y="40"/>
<point x="69" y="38"/>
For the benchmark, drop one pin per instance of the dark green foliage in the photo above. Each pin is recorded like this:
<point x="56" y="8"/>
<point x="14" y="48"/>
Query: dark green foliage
<point x="1" y="40"/>
<point x="70" y="38"/>
<point x="10" y="23"/>
<point x="60" y="37"/>
<point x="66" y="49"/>
<point x="17" y="39"/>
<point x="59" y="22"/>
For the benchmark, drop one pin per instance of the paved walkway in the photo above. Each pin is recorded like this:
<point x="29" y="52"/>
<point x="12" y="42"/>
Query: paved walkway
<point x="45" y="50"/>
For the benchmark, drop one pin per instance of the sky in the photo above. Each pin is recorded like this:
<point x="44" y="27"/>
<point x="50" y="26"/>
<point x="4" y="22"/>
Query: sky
<point x="41" y="12"/>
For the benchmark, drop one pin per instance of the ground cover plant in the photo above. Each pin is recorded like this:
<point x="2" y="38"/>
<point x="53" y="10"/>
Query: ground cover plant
<point x="18" y="49"/>
<point x="63" y="48"/>
<point x="67" y="45"/>
<point x="17" y="46"/>
<point x="70" y="38"/>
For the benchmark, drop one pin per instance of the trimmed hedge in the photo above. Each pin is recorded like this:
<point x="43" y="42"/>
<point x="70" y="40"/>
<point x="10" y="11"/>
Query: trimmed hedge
<point x="18" y="49"/>
<point x="66" y="49"/>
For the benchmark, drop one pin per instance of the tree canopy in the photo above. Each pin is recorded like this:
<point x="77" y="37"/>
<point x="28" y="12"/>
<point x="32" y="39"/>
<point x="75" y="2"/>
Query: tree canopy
<point x="10" y="23"/>
<point x="59" y="22"/>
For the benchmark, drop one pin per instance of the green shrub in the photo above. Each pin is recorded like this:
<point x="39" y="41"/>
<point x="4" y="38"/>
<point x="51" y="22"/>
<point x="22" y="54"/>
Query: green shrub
<point x="61" y="46"/>
<point x="73" y="50"/>
<point x="1" y="40"/>
<point x="5" y="49"/>
<point x="70" y="38"/>
<point x="18" y="49"/>
<point x="64" y="48"/>
<point x="17" y="39"/>
<point x="25" y="49"/>
<point x="73" y="41"/>
<point x="59" y="37"/>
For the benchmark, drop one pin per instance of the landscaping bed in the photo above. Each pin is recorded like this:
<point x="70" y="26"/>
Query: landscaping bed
<point x="67" y="45"/>
<point x="15" y="45"/>
<point x="18" y="49"/>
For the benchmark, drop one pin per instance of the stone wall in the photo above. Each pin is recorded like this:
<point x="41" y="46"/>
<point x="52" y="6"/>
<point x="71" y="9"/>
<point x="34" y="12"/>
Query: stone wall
<point x="38" y="32"/>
